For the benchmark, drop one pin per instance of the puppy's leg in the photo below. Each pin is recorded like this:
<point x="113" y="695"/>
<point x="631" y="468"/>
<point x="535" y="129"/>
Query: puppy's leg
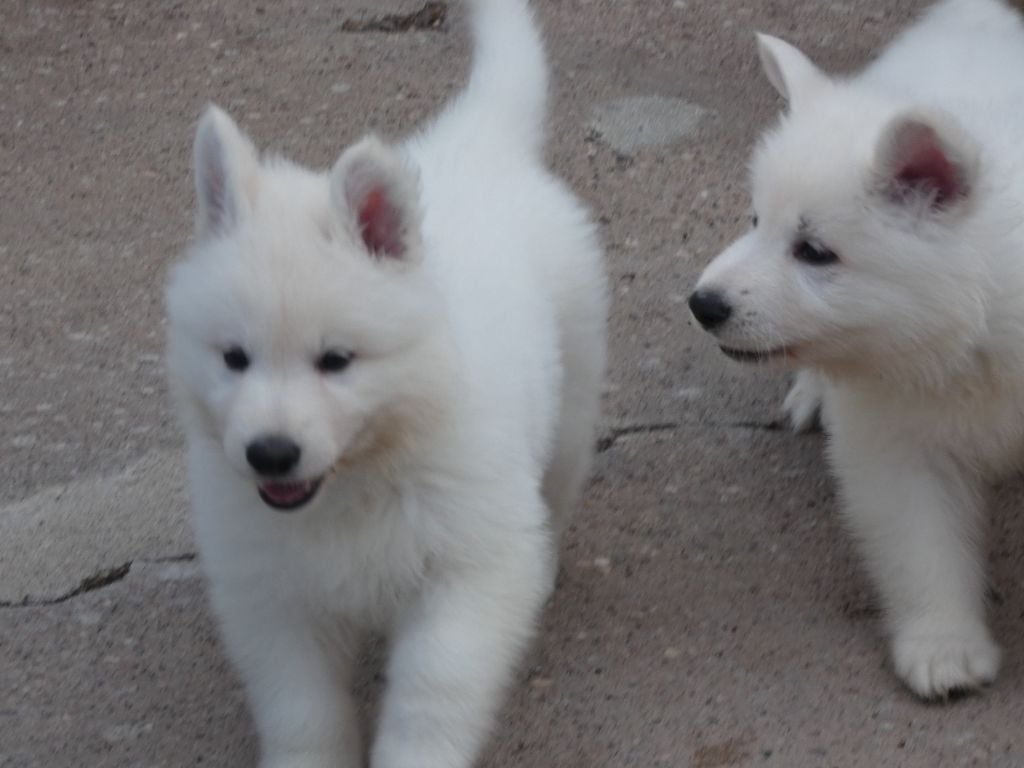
<point x="804" y="401"/>
<point x="919" y="529"/>
<point x="297" y="683"/>
<point x="573" y="449"/>
<point x="583" y="361"/>
<point x="455" y="655"/>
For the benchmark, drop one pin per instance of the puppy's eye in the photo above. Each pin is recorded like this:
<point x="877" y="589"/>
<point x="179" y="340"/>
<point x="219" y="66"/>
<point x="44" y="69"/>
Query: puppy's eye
<point x="236" y="359"/>
<point x="753" y="221"/>
<point x="815" y="255"/>
<point x="333" y="361"/>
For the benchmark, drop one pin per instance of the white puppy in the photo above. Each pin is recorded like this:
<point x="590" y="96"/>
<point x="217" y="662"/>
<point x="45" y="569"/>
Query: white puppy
<point x="406" y="353"/>
<point x="887" y="260"/>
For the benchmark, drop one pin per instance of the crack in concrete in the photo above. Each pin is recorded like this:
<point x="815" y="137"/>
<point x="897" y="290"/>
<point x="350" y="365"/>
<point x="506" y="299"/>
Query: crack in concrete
<point x="606" y="441"/>
<point x="775" y="425"/>
<point x="95" y="581"/>
<point x="112" y="575"/>
<point x="137" y="513"/>
<point x="612" y="434"/>
<point x="430" y="16"/>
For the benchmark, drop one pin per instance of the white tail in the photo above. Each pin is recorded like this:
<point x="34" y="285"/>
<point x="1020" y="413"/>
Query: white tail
<point x="509" y="79"/>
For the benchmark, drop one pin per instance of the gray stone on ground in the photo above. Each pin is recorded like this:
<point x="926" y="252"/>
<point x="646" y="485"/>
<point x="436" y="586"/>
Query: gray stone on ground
<point x="637" y="122"/>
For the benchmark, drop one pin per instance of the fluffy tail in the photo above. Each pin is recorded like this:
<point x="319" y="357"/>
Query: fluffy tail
<point x="509" y="80"/>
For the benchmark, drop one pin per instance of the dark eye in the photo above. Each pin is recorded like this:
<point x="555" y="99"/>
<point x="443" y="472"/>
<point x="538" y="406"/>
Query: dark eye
<point x="333" y="361"/>
<point x="236" y="359"/>
<point x="815" y="255"/>
<point x="753" y="221"/>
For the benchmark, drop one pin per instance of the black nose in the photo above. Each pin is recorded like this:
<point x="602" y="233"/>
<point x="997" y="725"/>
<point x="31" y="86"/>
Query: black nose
<point x="273" y="455"/>
<point x="710" y="308"/>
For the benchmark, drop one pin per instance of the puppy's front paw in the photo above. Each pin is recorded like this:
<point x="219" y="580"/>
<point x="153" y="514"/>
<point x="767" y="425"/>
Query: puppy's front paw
<point x="936" y="664"/>
<point x="803" y="402"/>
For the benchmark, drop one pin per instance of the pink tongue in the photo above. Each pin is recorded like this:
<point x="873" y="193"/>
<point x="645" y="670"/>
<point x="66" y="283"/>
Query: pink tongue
<point x="285" y="493"/>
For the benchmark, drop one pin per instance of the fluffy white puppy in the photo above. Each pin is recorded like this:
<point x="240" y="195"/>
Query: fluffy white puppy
<point x="406" y="355"/>
<point x="887" y="261"/>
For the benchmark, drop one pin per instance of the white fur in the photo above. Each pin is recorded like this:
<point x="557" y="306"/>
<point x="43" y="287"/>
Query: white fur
<point x="915" y="338"/>
<point x="453" y="446"/>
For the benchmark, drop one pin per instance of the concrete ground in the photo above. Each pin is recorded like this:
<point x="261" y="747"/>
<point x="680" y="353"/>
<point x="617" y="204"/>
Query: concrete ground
<point x="710" y="612"/>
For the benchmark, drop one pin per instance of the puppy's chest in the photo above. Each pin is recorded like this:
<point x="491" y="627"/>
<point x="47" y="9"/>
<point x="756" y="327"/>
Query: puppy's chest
<point x="986" y="432"/>
<point x="366" y="561"/>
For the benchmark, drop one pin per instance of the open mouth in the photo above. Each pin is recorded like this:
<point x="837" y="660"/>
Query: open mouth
<point x="757" y="355"/>
<point x="288" y="496"/>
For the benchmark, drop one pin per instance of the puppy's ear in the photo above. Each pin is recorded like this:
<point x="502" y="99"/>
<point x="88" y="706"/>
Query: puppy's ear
<point x="377" y="195"/>
<point x="789" y="71"/>
<point x="927" y="160"/>
<point x="226" y="171"/>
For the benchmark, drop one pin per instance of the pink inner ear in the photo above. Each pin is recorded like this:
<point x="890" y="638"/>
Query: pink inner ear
<point x="380" y="223"/>
<point x="926" y="166"/>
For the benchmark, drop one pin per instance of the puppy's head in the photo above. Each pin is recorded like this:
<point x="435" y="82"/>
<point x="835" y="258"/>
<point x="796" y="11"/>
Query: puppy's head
<point x="862" y="254"/>
<point x="302" y="329"/>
